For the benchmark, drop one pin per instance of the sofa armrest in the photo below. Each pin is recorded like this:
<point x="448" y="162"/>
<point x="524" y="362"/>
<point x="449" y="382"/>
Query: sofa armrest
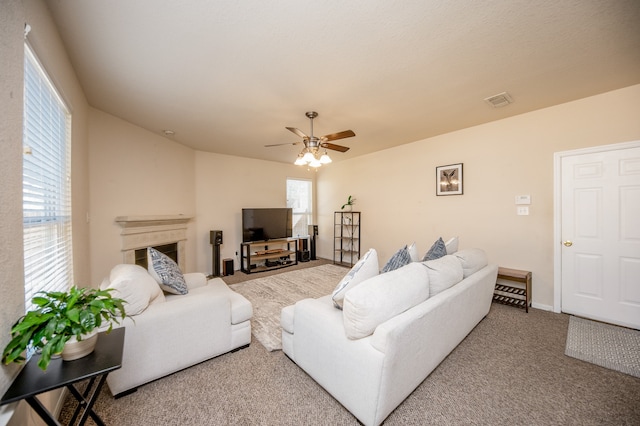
<point x="421" y="337"/>
<point x="195" y="280"/>
<point x="168" y="336"/>
<point x="350" y="370"/>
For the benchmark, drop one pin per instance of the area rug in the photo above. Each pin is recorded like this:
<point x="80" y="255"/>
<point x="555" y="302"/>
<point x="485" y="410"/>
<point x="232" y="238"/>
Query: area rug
<point x="609" y="346"/>
<point x="270" y="294"/>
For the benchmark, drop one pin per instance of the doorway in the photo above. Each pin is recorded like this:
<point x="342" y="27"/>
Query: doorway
<point x="597" y="233"/>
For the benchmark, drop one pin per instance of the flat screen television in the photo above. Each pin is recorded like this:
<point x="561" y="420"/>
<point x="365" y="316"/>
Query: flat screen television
<point x="266" y="224"/>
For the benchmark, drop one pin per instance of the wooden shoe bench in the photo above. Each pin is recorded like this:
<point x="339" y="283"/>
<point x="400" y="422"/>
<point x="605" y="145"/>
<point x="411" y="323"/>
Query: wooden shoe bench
<point x="513" y="287"/>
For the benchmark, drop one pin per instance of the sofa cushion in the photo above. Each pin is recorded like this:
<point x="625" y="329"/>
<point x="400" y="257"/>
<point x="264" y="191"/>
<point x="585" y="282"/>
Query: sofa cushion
<point x="398" y="260"/>
<point x="444" y="272"/>
<point x="364" y="268"/>
<point x="451" y="245"/>
<point x="133" y="284"/>
<point x="472" y="260"/>
<point x="166" y="272"/>
<point x="437" y="250"/>
<point x="382" y="297"/>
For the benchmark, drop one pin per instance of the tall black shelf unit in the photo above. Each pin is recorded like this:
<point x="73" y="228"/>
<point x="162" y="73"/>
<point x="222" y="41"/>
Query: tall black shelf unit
<point x="346" y="238"/>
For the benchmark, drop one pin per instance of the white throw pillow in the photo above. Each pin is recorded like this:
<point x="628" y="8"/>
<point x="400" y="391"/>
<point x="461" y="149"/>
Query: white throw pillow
<point x="382" y="297"/>
<point x="451" y="245"/>
<point x="133" y="284"/>
<point x="444" y="272"/>
<point x="366" y="267"/>
<point x="136" y="296"/>
<point x="413" y="252"/>
<point x="472" y="260"/>
<point x="128" y="269"/>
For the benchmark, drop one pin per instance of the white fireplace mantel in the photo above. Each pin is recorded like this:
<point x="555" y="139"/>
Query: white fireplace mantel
<point x="154" y="230"/>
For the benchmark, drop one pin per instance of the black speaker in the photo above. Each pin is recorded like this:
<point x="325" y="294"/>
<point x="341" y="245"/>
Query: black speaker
<point x="303" y="250"/>
<point x="313" y="232"/>
<point x="227" y="267"/>
<point x="303" y="256"/>
<point x="215" y="237"/>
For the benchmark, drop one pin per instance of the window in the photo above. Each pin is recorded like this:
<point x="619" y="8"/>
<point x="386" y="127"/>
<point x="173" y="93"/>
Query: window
<point x="46" y="185"/>
<point x="300" y="199"/>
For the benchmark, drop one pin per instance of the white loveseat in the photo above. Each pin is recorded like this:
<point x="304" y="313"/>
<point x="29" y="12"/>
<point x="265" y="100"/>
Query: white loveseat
<point x="167" y="333"/>
<point x="393" y="332"/>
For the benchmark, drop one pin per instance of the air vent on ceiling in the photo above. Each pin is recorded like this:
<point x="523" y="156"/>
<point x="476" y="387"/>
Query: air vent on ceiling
<point x="499" y="100"/>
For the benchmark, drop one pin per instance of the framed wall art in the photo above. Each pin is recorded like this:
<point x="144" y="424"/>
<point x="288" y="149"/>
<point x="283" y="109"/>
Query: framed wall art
<point x="449" y="179"/>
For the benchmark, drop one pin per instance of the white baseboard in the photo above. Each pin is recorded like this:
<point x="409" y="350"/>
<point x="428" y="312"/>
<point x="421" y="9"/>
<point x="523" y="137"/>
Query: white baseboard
<point x="7" y="412"/>
<point x="60" y="402"/>
<point x="542" y="307"/>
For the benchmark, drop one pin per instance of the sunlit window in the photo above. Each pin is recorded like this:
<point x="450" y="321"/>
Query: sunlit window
<point x="300" y="199"/>
<point x="48" y="262"/>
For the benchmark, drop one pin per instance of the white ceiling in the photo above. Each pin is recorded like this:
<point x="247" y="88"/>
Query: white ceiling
<point x="228" y="76"/>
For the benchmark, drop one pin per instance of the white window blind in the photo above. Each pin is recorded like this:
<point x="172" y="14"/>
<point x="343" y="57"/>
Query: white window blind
<point x="300" y="199"/>
<point x="48" y="258"/>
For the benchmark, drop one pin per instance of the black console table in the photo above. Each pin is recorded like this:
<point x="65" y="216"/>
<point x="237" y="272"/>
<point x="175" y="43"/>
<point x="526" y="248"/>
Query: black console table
<point x="32" y="381"/>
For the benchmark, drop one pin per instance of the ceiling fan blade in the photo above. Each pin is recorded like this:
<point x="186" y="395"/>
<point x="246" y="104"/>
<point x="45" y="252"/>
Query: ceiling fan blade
<point x="298" y="132"/>
<point x="339" y="135"/>
<point x="282" y="144"/>
<point x="340" y="148"/>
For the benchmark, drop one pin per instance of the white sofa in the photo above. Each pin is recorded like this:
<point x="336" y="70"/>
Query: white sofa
<point x="167" y="333"/>
<point x="392" y="332"/>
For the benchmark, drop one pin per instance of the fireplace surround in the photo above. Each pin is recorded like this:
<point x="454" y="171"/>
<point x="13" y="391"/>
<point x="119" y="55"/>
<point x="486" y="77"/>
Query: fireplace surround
<point x="158" y="231"/>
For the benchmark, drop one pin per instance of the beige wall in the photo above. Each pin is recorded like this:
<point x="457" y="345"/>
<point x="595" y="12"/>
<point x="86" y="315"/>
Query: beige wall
<point x="47" y="45"/>
<point x="224" y="185"/>
<point x="395" y="188"/>
<point x="134" y="172"/>
<point x="11" y="285"/>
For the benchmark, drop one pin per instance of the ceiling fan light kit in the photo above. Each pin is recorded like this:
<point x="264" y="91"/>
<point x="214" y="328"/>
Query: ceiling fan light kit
<point x="310" y="154"/>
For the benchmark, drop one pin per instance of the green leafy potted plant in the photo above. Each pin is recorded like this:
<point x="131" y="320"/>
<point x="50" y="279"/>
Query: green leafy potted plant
<point x="59" y="317"/>
<point x="350" y="202"/>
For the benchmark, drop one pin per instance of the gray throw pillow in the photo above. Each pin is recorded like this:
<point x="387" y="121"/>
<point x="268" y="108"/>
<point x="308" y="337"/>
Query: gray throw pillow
<point x="437" y="250"/>
<point x="398" y="260"/>
<point x="166" y="272"/>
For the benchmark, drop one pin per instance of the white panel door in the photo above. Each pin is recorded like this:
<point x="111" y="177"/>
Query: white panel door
<point x="601" y="236"/>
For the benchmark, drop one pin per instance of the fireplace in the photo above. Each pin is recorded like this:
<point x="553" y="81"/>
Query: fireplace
<point x="170" y="250"/>
<point x="167" y="234"/>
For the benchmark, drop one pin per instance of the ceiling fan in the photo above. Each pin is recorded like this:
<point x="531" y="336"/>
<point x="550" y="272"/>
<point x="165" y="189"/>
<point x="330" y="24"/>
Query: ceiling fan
<point x="313" y="144"/>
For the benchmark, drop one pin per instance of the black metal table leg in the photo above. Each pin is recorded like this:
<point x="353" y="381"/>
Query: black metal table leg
<point x="87" y="404"/>
<point x="42" y="412"/>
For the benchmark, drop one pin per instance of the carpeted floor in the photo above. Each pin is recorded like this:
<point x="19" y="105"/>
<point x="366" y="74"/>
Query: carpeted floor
<point x="269" y="294"/>
<point x="510" y="370"/>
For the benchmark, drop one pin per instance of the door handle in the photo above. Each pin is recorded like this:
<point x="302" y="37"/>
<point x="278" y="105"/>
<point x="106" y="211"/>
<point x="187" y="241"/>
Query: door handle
<point x="567" y="243"/>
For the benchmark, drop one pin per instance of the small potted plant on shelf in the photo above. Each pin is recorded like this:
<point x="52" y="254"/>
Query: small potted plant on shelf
<point x="349" y="204"/>
<point x="63" y="323"/>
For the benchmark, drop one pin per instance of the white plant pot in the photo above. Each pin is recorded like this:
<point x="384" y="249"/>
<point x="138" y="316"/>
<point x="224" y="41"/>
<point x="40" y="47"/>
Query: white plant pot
<point x="75" y="349"/>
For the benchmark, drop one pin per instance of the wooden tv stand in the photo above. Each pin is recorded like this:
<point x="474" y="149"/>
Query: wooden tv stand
<point x="260" y="256"/>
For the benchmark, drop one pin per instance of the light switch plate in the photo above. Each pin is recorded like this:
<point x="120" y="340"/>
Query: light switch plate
<point x="523" y="199"/>
<point x="523" y="210"/>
